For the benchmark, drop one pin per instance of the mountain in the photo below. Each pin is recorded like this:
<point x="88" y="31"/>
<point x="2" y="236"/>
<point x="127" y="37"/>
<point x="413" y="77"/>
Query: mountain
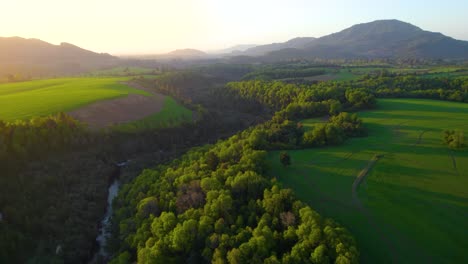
<point x="378" y="39"/>
<point x="236" y="49"/>
<point x="186" y="53"/>
<point x="35" y="57"/>
<point x="296" y="43"/>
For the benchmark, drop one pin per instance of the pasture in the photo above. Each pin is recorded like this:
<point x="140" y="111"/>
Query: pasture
<point x="100" y="102"/>
<point x="412" y="206"/>
<point x="25" y="100"/>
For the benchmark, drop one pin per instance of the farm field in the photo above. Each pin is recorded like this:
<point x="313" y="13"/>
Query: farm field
<point x="413" y="204"/>
<point x="43" y="97"/>
<point x="172" y="114"/>
<point x="99" y="102"/>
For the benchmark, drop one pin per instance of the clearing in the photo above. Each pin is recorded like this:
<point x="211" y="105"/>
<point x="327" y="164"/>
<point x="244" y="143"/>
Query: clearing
<point x="99" y="102"/>
<point x="414" y="199"/>
<point x="25" y="100"/>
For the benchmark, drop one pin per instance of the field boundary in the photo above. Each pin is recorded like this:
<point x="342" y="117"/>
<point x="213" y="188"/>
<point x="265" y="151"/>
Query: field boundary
<point x="361" y="176"/>
<point x="363" y="173"/>
<point x="133" y="107"/>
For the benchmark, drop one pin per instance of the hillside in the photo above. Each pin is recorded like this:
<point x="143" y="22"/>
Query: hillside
<point x="34" y="58"/>
<point x="296" y="43"/>
<point x="237" y="49"/>
<point x="378" y="39"/>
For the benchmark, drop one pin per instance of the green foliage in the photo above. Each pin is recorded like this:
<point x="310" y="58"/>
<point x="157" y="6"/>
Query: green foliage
<point x="215" y="204"/>
<point x="24" y="140"/>
<point x="124" y="71"/>
<point x="31" y="219"/>
<point x="455" y="139"/>
<point x="416" y="172"/>
<point x="292" y="98"/>
<point x="349" y="123"/>
<point x="274" y="73"/>
<point x="413" y="86"/>
<point x="334" y="132"/>
<point x="285" y="159"/>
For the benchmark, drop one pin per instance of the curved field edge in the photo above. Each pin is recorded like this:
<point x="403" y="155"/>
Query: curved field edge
<point x="172" y="114"/>
<point x="416" y="197"/>
<point x="25" y="100"/>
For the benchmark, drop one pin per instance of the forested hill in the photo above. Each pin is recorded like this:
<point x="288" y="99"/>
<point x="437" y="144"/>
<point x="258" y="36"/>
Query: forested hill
<point x="34" y="58"/>
<point x="377" y="39"/>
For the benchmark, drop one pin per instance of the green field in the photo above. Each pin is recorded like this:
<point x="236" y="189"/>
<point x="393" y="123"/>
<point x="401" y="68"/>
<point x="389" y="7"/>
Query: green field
<point x="172" y="114"/>
<point x="413" y="205"/>
<point x="43" y="97"/>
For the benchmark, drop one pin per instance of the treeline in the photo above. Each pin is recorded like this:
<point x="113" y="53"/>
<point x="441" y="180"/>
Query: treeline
<point x="282" y="73"/>
<point x="25" y="140"/>
<point x="55" y="175"/>
<point x="215" y="203"/>
<point x="413" y="86"/>
<point x="280" y="96"/>
<point x="207" y="93"/>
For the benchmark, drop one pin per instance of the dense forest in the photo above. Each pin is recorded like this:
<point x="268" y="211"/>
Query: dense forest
<point x="216" y="204"/>
<point x="413" y="86"/>
<point x="219" y="190"/>
<point x="73" y="165"/>
<point x="273" y="73"/>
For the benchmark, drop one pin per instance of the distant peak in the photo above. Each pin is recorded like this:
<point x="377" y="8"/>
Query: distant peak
<point x="187" y="52"/>
<point x="388" y="25"/>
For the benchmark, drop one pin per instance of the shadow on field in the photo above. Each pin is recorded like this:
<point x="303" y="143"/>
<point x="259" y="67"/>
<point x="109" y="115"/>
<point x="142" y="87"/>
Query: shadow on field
<point x="410" y="172"/>
<point x="405" y="116"/>
<point x="422" y="105"/>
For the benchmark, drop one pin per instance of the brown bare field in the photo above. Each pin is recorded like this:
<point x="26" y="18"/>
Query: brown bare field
<point x="121" y="110"/>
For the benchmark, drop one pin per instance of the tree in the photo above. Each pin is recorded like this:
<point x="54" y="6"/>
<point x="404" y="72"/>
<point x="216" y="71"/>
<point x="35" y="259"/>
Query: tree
<point x="453" y="138"/>
<point x="212" y="160"/>
<point x="285" y="158"/>
<point x="335" y="107"/>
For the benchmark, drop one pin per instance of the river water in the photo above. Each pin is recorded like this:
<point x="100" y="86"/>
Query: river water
<point x="105" y="223"/>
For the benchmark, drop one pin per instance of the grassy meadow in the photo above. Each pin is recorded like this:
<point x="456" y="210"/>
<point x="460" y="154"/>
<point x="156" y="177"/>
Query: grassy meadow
<point x="25" y="100"/>
<point x="415" y="197"/>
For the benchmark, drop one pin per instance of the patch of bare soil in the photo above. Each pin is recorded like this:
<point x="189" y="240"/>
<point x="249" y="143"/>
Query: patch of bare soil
<point x="121" y="110"/>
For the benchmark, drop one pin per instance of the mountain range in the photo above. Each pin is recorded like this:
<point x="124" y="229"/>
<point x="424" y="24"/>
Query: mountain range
<point x="377" y="39"/>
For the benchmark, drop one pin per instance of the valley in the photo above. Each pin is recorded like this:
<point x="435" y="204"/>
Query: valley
<point x="345" y="147"/>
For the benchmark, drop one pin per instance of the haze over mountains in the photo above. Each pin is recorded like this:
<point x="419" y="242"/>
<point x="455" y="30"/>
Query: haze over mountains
<point x="378" y="39"/>
<point x="36" y="57"/>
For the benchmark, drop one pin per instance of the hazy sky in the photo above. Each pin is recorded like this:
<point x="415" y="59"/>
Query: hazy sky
<point x="150" y="26"/>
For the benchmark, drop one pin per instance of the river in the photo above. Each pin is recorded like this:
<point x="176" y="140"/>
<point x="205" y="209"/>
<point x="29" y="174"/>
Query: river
<point x="104" y="233"/>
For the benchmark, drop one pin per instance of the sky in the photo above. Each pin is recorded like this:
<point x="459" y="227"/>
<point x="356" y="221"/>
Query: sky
<point x="157" y="26"/>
